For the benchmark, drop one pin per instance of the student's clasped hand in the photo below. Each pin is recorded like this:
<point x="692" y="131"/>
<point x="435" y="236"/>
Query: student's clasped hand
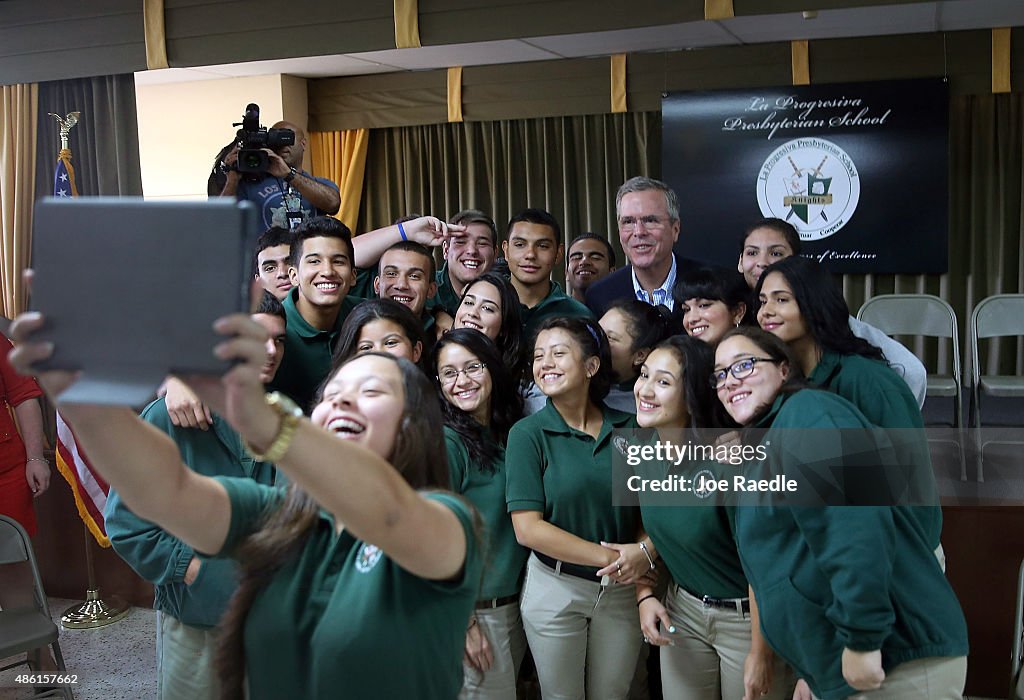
<point x="863" y="669"/>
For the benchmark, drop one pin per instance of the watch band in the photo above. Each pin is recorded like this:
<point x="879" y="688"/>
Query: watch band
<point x="291" y="175"/>
<point x="290" y="415"/>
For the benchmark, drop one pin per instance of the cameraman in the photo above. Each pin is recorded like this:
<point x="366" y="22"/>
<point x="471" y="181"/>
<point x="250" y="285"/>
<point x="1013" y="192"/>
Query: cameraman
<point x="307" y="196"/>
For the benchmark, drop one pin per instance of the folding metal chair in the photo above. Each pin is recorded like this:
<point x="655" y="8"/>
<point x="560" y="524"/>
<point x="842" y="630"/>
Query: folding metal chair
<point x="995" y="317"/>
<point x="929" y="316"/>
<point x="23" y="630"/>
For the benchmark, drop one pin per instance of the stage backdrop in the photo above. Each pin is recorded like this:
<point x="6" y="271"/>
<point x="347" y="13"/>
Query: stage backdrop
<point x="860" y="169"/>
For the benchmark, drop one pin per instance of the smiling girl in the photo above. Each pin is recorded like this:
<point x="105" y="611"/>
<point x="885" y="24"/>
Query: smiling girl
<point x="578" y="602"/>
<point x="470" y="377"/>
<point x="801" y="305"/>
<point x="851" y="597"/>
<point x="712" y="301"/>
<point x="380" y="325"/>
<point x="325" y="582"/>
<point x="490" y="305"/>
<point x="704" y="625"/>
<point x="633" y="328"/>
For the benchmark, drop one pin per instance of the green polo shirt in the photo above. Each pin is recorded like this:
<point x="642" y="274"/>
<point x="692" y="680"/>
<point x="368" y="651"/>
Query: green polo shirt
<point x="446" y="297"/>
<point x="567" y="475"/>
<point x="848" y="576"/>
<point x="160" y="557"/>
<point x="364" y="283"/>
<point x="341" y="619"/>
<point x="556" y="303"/>
<point x="485" y="489"/>
<point x="696" y="542"/>
<point x="885" y="399"/>
<point x="307" y="352"/>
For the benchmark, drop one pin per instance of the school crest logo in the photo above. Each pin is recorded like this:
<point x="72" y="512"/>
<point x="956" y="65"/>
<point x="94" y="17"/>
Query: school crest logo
<point x="812" y="183"/>
<point x="621" y="444"/>
<point x="368" y="558"/>
<point x="700" y="481"/>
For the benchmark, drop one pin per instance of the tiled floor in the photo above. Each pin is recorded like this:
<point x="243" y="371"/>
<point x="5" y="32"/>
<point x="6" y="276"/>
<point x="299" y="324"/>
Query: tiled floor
<point x="117" y="662"/>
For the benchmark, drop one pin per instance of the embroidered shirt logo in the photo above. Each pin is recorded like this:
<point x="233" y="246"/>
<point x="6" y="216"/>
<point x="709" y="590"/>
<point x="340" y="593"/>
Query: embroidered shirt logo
<point x="368" y="558"/>
<point x="700" y="483"/>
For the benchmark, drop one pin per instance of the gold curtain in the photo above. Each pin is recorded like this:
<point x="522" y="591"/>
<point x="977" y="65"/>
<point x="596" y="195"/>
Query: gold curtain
<point x="570" y="166"/>
<point x="340" y="156"/>
<point x="18" y="113"/>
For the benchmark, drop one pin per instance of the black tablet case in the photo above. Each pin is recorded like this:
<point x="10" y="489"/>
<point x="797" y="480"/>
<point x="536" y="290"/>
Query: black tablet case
<point x="130" y="289"/>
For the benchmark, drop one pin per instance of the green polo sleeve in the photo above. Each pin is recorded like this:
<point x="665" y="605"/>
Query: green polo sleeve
<point x="524" y="468"/>
<point x="250" y="505"/>
<point x="472" y="528"/>
<point x="881" y="394"/>
<point x="156" y="556"/>
<point x="855" y="547"/>
<point x="458" y="460"/>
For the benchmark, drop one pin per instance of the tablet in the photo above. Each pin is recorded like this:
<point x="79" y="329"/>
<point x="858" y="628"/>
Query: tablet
<point x="130" y="289"/>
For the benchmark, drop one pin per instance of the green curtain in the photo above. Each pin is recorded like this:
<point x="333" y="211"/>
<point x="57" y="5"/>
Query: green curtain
<point x="572" y="166"/>
<point x="567" y="165"/>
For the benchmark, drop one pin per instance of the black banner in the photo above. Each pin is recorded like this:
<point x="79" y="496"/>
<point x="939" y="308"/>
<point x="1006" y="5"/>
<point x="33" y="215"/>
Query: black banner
<point x="860" y="169"/>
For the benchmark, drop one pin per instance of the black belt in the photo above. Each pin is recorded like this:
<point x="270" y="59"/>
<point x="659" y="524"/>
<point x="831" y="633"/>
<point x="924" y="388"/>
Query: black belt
<point x="491" y="603"/>
<point x="587" y="573"/>
<point x="737" y="604"/>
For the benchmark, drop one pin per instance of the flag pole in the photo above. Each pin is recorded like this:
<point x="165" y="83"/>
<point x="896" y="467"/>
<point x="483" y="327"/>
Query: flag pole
<point x="94" y="612"/>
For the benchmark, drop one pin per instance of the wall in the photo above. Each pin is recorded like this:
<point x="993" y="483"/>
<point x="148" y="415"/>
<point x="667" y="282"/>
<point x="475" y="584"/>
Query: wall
<point x="182" y="126"/>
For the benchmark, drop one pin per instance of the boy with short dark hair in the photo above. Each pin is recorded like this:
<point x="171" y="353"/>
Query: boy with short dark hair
<point x="273" y="249"/>
<point x="322" y="270"/>
<point x="533" y="247"/>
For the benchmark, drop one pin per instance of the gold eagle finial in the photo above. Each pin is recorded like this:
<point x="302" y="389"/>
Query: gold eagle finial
<point x="66" y="124"/>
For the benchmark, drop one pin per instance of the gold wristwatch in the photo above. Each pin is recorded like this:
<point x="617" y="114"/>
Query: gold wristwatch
<point x="290" y="414"/>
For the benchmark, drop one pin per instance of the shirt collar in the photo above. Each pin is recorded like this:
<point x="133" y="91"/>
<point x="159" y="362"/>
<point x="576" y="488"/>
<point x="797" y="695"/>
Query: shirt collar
<point x="661" y="295"/>
<point x="552" y="421"/>
<point x="301" y="327"/>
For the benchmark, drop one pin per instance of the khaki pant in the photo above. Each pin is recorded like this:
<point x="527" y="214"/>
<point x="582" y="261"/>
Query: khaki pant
<point x="584" y="637"/>
<point x="504" y="629"/>
<point x="710" y="645"/>
<point x="185" y="661"/>
<point x="933" y="678"/>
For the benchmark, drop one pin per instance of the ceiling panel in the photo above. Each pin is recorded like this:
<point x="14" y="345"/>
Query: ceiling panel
<point x="901" y="18"/>
<point x="666" y="38"/>
<point x="970" y="14"/>
<point x="861" y="21"/>
<point x="310" y="67"/>
<point x="476" y="54"/>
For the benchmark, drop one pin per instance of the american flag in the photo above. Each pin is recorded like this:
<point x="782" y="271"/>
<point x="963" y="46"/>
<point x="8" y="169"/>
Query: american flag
<point x="64" y="177"/>
<point x="89" y="489"/>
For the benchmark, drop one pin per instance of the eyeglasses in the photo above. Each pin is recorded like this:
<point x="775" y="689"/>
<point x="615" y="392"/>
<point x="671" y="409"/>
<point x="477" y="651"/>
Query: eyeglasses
<point x="648" y="223"/>
<point x="739" y="369"/>
<point x="450" y="375"/>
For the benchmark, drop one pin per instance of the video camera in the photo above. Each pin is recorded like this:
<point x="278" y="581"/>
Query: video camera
<point x="253" y="138"/>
